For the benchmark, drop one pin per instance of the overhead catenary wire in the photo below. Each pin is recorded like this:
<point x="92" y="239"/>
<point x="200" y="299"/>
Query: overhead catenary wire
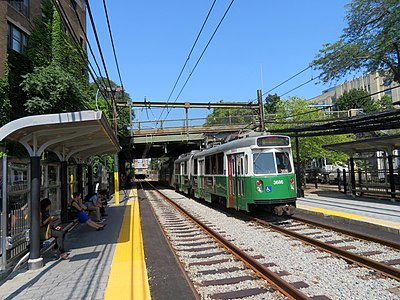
<point x="100" y="77"/>
<point x="201" y="55"/>
<point x="190" y="53"/>
<point x="99" y="46"/>
<point x="323" y="108"/>
<point x="113" y="46"/>
<point x="311" y="65"/>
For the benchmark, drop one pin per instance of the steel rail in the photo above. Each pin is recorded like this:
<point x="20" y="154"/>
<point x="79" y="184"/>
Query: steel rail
<point x="350" y="233"/>
<point x="355" y="258"/>
<point x="283" y="286"/>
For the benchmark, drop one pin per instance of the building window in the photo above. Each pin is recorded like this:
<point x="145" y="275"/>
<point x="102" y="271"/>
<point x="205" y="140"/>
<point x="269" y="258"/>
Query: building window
<point x="21" y="6"/>
<point x="17" y="39"/>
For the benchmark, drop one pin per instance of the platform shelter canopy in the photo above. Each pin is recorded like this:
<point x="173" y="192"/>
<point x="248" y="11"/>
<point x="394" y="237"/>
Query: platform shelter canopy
<point x="75" y="134"/>
<point x="384" y="143"/>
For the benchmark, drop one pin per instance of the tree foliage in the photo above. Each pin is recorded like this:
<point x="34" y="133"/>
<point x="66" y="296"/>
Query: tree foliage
<point x="370" y="42"/>
<point x="39" y="47"/>
<point x="385" y="103"/>
<point x="5" y="105"/>
<point x="356" y="99"/>
<point x="271" y="103"/>
<point x="52" y="90"/>
<point x="225" y="116"/>
<point x="295" y="112"/>
<point x="98" y="102"/>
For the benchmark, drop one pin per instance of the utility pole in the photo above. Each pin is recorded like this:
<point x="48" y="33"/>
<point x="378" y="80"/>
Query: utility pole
<point x="261" y="110"/>
<point x="116" y="173"/>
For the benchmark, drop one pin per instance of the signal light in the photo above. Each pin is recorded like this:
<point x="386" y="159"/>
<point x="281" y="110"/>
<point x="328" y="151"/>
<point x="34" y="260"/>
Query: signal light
<point x="259" y="186"/>
<point x="291" y="180"/>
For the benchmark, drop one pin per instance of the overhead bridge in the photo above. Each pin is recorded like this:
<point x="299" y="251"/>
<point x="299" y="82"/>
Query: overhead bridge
<point x="173" y="141"/>
<point x="170" y="138"/>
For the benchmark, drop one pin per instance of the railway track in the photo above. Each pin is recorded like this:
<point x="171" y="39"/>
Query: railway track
<point x="274" y="251"/>
<point x="352" y="247"/>
<point x="219" y="269"/>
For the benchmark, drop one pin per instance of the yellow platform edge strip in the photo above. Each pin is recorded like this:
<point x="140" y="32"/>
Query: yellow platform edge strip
<point x="128" y="276"/>
<point x="350" y="216"/>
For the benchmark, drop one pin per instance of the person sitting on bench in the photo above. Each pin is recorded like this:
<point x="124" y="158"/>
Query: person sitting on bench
<point x="46" y="221"/>
<point x="78" y="208"/>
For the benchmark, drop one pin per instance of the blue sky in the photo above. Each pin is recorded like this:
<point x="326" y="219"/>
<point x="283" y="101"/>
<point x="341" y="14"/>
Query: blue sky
<point x="260" y="44"/>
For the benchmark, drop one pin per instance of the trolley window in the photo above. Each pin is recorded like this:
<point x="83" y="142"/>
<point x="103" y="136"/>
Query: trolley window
<point x="208" y="165"/>
<point x="283" y="162"/>
<point x="263" y="163"/>
<point x="220" y="163"/>
<point x="195" y="167"/>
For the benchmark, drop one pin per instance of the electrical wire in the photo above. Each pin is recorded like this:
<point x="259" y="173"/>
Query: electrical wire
<point x="204" y="50"/>
<point x="99" y="46"/>
<point x="89" y="45"/>
<point x="299" y="86"/>
<point x="322" y="108"/>
<point x="113" y="47"/>
<point x="190" y="53"/>
<point x="310" y="66"/>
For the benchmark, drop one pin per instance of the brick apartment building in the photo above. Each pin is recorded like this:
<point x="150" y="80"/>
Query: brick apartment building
<point x="16" y="22"/>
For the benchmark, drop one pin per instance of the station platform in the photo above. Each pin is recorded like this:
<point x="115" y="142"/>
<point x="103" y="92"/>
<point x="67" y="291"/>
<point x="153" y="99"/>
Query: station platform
<point x="377" y="216"/>
<point x="107" y="264"/>
<point x="130" y="258"/>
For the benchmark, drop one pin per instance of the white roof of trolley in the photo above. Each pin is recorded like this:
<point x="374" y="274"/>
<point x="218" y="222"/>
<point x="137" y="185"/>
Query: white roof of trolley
<point x="74" y="134"/>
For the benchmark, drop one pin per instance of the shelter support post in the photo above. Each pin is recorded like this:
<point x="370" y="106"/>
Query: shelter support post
<point x="90" y="178"/>
<point x="4" y="217"/>
<point x="116" y="180"/>
<point x="391" y="177"/>
<point x="35" y="261"/>
<point x="64" y="191"/>
<point x="79" y="178"/>
<point x="352" y="176"/>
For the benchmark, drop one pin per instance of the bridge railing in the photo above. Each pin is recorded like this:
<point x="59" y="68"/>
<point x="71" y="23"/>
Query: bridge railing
<point x="179" y="123"/>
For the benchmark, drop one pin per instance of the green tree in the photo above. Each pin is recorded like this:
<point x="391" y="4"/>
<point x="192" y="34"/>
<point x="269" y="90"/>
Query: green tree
<point x="385" y="103"/>
<point x="39" y="47"/>
<point x="356" y="99"/>
<point x="5" y="105"/>
<point x="52" y="90"/>
<point x="224" y="116"/>
<point x="296" y="112"/>
<point x="98" y="102"/>
<point x="271" y="103"/>
<point x="370" y="42"/>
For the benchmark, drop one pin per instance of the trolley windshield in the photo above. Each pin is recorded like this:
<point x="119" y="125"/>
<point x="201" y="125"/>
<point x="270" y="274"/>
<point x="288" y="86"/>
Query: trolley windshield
<point x="271" y="162"/>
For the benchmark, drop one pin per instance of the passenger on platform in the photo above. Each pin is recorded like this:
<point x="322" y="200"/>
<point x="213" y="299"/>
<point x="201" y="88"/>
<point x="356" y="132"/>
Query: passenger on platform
<point x="78" y="208"/>
<point x="102" y="198"/>
<point x="93" y="205"/>
<point x="46" y="220"/>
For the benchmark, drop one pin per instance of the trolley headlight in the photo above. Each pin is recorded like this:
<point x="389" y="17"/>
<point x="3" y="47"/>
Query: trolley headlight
<point x="259" y="186"/>
<point x="291" y="183"/>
